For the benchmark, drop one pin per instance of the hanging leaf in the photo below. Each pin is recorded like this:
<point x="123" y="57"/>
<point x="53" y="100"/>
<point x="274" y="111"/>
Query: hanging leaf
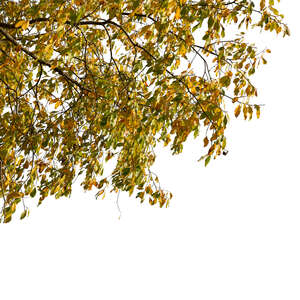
<point x="237" y="111"/>
<point x="257" y="107"/>
<point x="82" y="82"/>
<point x="207" y="160"/>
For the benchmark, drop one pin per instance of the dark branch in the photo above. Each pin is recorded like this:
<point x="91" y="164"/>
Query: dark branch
<point x="41" y="61"/>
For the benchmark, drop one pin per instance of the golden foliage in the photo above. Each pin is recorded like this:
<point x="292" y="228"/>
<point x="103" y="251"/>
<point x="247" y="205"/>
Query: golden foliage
<point x="85" y="83"/>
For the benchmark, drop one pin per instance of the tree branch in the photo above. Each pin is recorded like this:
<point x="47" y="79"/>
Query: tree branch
<point x="41" y="61"/>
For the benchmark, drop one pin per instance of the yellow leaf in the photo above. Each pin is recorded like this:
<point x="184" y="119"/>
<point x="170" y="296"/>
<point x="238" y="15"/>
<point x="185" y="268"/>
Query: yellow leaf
<point x="257" y="111"/>
<point x="177" y="14"/>
<point x="211" y="149"/>
<point x="19" y="24"/>
<point x="250" y="111"/>
<point x="182" y="50"/>
<point x="131" y="190"/>
<point x="245" y="111"/>
<point x="57" y="104"/>
<point x="167" y="140"/>
<point x="14" y="195"/>
<point x="48" y="51"/>
<point x="237" y="111"/>
<point x="23" y="23"/>
<point x="54" y="65"/>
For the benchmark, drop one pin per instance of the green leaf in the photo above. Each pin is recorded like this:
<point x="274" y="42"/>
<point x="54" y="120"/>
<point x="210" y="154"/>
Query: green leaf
<point x="207" y="160"/>
<point x="225" y="81"/>
<point x="23" y="215"/>
<point x="33" y="193"/>
<point x="210" y="22"/>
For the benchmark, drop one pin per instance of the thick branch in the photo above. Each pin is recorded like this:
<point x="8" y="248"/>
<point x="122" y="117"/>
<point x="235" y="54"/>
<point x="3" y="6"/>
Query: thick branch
<point x="39" y="20"/>
<point x="41" y="61"/>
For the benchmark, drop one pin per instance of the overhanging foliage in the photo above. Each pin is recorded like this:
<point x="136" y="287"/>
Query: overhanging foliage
<point x="82" y="82"/>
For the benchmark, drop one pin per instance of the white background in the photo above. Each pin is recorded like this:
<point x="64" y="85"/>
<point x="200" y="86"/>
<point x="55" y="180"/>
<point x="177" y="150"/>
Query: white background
<point x="232" y="230"/>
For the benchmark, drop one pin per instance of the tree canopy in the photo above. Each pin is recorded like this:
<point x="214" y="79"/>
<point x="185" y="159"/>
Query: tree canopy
<point x="83" y="82"/>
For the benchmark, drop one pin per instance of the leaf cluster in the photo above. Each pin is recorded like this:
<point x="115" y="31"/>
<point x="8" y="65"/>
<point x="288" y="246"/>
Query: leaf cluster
<point x="86" y="82"/>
